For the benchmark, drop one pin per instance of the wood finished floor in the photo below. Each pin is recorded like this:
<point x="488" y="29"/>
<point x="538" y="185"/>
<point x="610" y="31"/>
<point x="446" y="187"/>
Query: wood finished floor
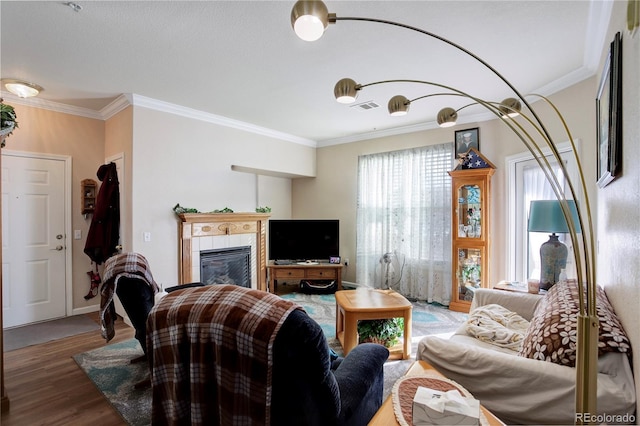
<point x="45" y="386"/>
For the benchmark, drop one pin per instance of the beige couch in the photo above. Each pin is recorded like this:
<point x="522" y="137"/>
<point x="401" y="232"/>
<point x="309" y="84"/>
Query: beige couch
<point x="521" y="390"/>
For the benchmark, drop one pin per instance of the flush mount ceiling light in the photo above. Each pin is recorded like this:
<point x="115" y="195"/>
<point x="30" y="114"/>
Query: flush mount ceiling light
<point x="21" y="88"/>
<point x="74" y="6"/>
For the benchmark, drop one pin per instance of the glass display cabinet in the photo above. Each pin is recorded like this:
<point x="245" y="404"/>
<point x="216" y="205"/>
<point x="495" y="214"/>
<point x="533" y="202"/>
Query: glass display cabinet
<point x="471" y="238"/>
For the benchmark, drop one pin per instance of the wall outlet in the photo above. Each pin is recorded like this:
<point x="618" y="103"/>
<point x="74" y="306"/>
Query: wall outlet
<point x="147" y="237"/>
<point x="346" y="262"/>
<point x="77" y="234"/>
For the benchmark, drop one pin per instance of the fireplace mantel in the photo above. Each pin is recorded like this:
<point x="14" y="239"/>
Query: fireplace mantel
<point x="194" y="225"/>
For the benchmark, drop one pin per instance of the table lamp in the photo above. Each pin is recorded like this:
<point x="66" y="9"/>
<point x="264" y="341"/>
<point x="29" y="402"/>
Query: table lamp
<point x="546" y="216"/>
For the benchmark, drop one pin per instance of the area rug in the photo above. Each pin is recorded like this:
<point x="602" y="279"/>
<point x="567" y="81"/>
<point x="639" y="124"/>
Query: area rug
<point x="34" y="334"/>
<point x="110" y="369"/>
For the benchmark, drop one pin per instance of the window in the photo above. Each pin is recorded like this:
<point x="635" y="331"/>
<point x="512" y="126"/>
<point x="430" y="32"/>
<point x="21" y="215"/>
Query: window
<point x="527" y="182"/>
<point x="403" y="237"/>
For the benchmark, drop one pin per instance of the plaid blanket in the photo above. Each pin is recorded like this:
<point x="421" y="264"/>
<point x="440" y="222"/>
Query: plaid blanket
<point x="210" y="354"/>
<point x="132" y="265"/>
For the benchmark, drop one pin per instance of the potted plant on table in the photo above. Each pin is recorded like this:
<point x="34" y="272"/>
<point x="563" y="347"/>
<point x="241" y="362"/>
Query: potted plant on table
<point x="8" y="121"/>
<point x="382" y="331"/>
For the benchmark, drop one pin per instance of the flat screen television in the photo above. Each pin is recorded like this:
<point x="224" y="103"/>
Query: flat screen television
<point x="304" y="239"/>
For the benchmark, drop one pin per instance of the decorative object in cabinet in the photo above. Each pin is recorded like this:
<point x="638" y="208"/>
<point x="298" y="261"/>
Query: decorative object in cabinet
<point x="89" y="190"/>
<point x="470" y="228"/>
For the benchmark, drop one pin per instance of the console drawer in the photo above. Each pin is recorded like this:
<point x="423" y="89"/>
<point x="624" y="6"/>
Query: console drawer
<point x="288" y="273"/>
<point x="321" y="273"/>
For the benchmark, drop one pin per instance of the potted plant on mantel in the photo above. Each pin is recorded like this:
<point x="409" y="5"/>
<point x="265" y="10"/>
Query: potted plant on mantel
<point x="8" y="121"/>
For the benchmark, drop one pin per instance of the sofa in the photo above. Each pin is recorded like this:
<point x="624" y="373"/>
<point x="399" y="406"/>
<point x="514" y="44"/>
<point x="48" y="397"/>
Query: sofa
<point x="533" y="382"/>
<point x="224" y="354"/>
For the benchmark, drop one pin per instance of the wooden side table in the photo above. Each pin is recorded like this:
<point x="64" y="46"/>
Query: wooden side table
<point x="386" y="416"/>
<point x="368" y="304"/>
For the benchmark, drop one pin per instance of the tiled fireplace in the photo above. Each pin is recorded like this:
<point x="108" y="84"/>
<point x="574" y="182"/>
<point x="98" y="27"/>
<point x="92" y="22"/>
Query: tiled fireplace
<point x="203" y="233"/>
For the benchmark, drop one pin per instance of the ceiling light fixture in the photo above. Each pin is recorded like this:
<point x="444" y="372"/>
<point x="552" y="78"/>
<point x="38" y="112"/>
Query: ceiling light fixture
<point x="74" y="6"/>
<point x="314" y="14"/>
<point x="21" y="88"/>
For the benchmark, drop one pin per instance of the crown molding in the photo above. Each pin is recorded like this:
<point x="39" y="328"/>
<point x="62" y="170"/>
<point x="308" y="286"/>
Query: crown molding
<point x="170" y="108"/>
<point x="125" y="100"/>
<point x="51" y="106"/>
<point x="117" y="105"/>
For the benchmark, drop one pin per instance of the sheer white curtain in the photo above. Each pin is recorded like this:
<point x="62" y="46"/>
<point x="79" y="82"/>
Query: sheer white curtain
<point x="404" y="211"/>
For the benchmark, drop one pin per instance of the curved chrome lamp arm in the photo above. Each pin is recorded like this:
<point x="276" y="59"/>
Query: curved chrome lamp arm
<point x="503" y="112"/>
<point x="316" y="14"/>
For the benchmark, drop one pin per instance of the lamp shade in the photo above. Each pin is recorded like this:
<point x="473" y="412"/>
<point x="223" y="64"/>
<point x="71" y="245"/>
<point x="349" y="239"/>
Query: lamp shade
<point x="398" y="105"/>
<point x="447" y="117"/>
<point x="510" y="107"/>
<point x="346" y="91"/>
<point x="546" y="216"/>
<point x="309" y="19"/>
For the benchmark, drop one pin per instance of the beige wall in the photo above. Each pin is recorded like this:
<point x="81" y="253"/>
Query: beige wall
<point x="332" y="194"/>
<point x="82" y="139"/>
<point x="119" y="141"/>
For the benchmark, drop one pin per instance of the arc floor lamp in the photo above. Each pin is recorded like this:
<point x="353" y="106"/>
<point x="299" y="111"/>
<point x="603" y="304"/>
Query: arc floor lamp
<point x="310" y="18"/>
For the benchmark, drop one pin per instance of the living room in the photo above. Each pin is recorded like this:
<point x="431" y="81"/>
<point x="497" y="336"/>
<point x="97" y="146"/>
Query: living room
<point x="172" y="156"/>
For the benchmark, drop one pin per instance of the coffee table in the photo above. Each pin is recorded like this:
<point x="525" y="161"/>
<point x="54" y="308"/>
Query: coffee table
<point x="368" y="304"/>
<point x="386" y="416"/>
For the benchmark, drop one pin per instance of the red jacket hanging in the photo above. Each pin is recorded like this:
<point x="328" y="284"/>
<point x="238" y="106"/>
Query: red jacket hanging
<point x="104" y="231"/>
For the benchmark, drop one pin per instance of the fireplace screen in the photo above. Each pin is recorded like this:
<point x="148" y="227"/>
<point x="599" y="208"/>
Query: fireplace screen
<point x="226" y="266"/>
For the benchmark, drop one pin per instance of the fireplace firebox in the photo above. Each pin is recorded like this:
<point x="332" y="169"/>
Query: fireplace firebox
<point x="226" y="266"/>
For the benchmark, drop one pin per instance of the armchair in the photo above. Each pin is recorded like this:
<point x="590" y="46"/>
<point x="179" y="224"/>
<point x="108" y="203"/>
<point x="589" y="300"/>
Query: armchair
<point x="518" y="389"/>
<point x="226" y="354"/>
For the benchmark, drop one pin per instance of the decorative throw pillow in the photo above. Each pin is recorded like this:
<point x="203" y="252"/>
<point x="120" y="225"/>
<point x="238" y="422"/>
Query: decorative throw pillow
<point x="552" y="332"/>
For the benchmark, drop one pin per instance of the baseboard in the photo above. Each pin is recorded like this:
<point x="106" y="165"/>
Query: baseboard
<point x="85" y="310"/>
<point x="348" y="285"/>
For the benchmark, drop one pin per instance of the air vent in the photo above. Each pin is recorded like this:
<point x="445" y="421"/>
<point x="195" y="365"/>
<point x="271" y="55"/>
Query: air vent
<point x="365" y="106"/>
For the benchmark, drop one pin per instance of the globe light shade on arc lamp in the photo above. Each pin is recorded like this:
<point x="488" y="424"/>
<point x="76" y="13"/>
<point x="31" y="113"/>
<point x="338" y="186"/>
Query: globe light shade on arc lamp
<point x="547" y="216"/>
<point x="534" y="133"/>
<point x="346" y="91"/>
<point x="510" y="107"/>
<point x="447" y="117"/>
<point x="21" y="88"/>
<point x="309" y="19"/>
<point x="398" y="105"/>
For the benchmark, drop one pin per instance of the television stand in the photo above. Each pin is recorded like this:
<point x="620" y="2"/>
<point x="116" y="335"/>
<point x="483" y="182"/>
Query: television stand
<point x="306" y="271"/>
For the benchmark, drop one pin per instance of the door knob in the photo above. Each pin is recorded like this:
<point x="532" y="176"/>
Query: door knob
<point x="58" y="248"/>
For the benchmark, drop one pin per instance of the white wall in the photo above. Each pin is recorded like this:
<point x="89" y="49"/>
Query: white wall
<point x="618" y="257"/>
<point x="182" y="160"/>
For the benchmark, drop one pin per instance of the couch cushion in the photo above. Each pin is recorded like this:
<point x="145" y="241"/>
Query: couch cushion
<point x="552" y="332"/>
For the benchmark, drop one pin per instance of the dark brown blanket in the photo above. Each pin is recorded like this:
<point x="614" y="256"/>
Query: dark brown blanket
<point x="210" y="353"/>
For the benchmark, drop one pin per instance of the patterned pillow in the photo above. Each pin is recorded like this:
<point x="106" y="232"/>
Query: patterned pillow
<point x="552" y="332"/>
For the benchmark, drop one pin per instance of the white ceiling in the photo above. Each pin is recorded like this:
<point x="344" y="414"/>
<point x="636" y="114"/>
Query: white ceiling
<point x="240" y="60"/>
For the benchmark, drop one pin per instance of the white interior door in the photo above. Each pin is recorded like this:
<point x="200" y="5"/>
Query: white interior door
<point x="33" y="239"/>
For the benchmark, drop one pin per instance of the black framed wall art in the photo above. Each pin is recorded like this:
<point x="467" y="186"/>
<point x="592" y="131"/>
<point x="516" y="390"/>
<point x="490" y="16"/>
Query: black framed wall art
<point x="609" y="116"/>
<point x="467" y="139"/>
